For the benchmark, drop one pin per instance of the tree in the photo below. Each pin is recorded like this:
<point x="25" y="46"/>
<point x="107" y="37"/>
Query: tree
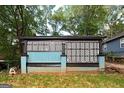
<point x="83" y="20"/>
<point x="15" y="22"/>
<point x="56" y="21"/>
<point x="115" y="21"/>
<point x="18" y="21"/>
<point x="42" y="15"/>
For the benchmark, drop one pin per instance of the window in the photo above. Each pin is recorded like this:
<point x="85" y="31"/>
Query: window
<point x="122" y="43"/>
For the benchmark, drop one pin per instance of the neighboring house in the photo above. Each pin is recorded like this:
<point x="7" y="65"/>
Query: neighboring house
<point x="61" y="54"/>
<point x="115" y="45"/>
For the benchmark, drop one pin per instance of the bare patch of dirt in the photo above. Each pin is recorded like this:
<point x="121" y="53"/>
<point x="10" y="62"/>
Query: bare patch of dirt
<point x="114" y="68"/>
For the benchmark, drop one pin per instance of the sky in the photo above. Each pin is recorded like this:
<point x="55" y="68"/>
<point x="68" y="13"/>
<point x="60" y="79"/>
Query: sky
<point x="50" y="28"/>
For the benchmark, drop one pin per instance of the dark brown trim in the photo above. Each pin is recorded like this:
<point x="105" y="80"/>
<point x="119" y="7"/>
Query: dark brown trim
<point x="100" y="47"/>
<point x="43" y="51"/>
<point x="44" y="64"/>
<point x="82" y="64"/>
<point x="59" y="64"/>
<point x="63" y="38"/>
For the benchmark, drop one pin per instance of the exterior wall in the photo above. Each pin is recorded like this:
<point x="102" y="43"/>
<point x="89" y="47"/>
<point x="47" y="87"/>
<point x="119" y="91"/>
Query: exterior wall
<point x="44" y="57"/>
<point x="82" y="68"/>
<point x="43" y="69"/>
<point x="101" y="59"/>
<point x="76" y="51"/>
<point x="56" y="57"/>
<point x="48" y="45"/>
<point x="41" y="58"/>
<point x="23" y="64"/>
<point x="82" y="51"/>
<point x="50" y="51"/>
<point x="114" y="47"/>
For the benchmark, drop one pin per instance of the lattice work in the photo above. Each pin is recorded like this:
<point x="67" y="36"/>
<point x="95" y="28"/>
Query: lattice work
<point x="76" y="51"/>
<point x="82" y="51"/>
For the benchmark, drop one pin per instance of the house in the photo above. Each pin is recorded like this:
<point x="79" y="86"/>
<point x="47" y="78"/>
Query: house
<point x="115" y="45"/>
<point x="61" y="54"/>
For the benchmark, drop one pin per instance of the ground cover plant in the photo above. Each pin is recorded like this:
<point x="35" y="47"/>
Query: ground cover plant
<point x="64" y="80"/>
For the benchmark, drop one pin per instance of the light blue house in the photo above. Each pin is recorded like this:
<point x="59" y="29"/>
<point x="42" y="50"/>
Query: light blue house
<point x="61" y="54"/>
<point x="115" y="45"/>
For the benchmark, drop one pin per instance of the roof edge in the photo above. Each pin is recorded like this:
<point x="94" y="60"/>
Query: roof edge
<point x="63" y="38"/>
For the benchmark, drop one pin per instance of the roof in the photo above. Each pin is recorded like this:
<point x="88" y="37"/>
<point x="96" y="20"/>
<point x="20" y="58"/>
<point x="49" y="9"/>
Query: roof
<point x="114" y="38"/>
<point x="63" y="38"/>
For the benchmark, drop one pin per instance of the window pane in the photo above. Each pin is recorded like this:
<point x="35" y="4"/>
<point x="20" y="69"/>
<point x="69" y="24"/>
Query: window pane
<point x="122" y="44"/>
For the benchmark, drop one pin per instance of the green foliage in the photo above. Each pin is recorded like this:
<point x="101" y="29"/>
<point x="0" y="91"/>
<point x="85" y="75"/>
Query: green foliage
<point x="80" y="20"/>
<point x="115" y="21"/>
<point x="15" y="21"/>
<point x="56" y="21"/>
<point x="18" y="21"/>
<point x="41" y="16"/>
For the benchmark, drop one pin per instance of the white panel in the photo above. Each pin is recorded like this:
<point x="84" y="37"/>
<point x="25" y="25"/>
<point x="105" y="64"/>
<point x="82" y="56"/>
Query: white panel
<point x="78" y="59"/>
<point x="78" y="45"/>
<point x="35" y="46"/>
<point x="73" y="45"/>
<point x="68" y="52"/>
<point x="82" y="45"/>
<point x="82" y="59"/>
<point x="47" y="46"/>
<point x="68" y="59"/>
<point x="58" y="46"/>
<point x="40" y="46"/>
<point x="91" y="52"/>
<point x="29" y="46"/>
<point x="69" y="45"/>
<point x="73" y="59"/>
<point x="91" y="59"/>
<point x="82" y="52"/>
<point x="78" y="52"/>
<point x="52" y="46"/>
<point x="86" y="45"/>
<point x="95" y="59"/>
<point x="91" y="45"/>
<point x="97" y="45"/>
<point x="86" y="52"/>
<point x="87" y="59"/>
<point x="73" y="52"/>
<point x="97" y="52"/>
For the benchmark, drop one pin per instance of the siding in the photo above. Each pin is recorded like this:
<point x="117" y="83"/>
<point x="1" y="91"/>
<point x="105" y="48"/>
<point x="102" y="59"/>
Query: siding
<point x="114" y="46"/>
<point x="80" y="51"/>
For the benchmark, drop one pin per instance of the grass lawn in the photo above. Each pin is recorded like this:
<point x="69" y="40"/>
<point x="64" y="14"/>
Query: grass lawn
<point x="68" y="80"/>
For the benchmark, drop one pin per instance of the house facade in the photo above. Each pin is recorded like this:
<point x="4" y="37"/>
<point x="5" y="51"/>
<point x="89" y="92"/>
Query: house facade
<point x="115" y="45"/>
<point x="61" y="54"/>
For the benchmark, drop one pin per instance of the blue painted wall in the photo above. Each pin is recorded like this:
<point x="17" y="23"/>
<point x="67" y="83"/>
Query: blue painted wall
<point x="114" y="46"/>
<point x="44" y="57"/>
<point x="53" y="57"/>
<point x="23" y="64"/>
<point x="101" y="59"/>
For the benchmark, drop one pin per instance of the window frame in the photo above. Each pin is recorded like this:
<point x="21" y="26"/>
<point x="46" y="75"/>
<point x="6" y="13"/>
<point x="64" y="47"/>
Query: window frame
<point x="121" y="42"/>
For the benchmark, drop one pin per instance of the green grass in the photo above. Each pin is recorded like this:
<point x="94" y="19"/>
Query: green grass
<point x="68" y="80"/>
